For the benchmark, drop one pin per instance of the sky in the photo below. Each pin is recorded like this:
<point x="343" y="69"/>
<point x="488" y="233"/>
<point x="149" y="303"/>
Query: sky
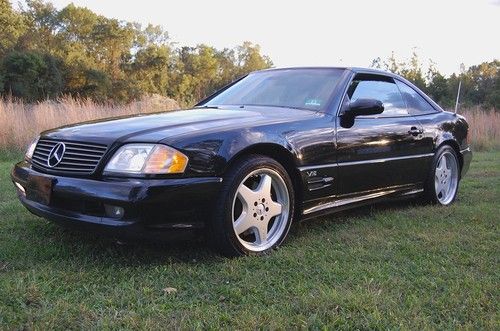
<point x="326" y="32"/>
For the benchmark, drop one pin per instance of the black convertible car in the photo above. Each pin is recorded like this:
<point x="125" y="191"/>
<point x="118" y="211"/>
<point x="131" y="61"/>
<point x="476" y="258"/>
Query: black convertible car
<point x="272" y="147"/>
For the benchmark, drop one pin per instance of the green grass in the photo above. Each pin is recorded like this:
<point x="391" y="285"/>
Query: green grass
<point x="398" y="265"/>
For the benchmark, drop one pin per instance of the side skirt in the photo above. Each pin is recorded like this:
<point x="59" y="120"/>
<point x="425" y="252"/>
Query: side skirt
<point x="311" y="209"/>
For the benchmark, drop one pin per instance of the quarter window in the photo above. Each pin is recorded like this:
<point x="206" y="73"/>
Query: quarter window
<point x="416" y="104"/>
<point x="385" y="91"/>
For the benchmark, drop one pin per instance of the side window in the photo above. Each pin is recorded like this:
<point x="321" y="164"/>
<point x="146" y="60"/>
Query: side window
<point x="385" y="91"/>
<point x="415" y="103"/>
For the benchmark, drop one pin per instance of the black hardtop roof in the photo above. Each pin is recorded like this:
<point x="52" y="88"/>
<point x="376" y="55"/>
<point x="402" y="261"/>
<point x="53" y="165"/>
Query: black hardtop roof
<point x="353" y="69"/>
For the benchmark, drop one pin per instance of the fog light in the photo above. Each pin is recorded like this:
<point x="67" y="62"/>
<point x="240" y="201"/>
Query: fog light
<point x="20" y="188"/>
<point x="114" y="211"/>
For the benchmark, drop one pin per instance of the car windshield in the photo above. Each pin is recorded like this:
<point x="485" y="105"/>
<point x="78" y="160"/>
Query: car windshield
<point x="295" y="88"/>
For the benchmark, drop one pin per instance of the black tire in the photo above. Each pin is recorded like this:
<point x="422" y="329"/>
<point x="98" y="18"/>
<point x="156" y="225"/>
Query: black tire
<point x="430" y="193"/>
<point x="222" y="232"/>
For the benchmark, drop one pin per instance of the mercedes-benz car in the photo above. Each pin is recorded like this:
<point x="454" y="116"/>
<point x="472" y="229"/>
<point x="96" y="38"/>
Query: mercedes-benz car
<point x="269" y="149"/>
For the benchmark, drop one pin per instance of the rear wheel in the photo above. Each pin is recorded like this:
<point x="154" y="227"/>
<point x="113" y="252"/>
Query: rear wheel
<point x="255" y="208"/>
<point x="442" y="183"/>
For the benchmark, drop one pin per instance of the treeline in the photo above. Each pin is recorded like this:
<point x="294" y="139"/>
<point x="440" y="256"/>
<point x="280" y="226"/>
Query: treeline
<point x="480" y="83"/>
<point x="45" y="53"/>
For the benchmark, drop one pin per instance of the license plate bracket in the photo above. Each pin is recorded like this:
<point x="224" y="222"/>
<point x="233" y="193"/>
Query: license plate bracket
<point x="39" y="189"/>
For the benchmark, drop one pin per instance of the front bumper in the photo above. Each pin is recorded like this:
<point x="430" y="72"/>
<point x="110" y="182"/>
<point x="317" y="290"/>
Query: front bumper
<point x="151" y="206"/>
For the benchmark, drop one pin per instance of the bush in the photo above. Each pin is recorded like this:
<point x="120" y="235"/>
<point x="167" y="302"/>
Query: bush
<point x="32" y="76"/>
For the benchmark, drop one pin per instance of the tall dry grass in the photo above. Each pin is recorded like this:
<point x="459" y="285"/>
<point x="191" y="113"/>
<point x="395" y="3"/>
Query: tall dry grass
<point x="484" y="128"/>
<point x="20" y="122"/>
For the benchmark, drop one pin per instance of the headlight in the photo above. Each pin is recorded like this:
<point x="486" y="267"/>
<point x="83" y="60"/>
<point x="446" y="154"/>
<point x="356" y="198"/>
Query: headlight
<point x="31" y="149"/>
<point x="147" y="159"/>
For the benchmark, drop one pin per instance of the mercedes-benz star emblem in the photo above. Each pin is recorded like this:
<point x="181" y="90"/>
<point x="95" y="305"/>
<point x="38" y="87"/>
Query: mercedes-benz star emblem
<point x="56" y="155"/>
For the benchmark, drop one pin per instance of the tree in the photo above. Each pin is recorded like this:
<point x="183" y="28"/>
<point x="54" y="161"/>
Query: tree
<point x="195" y="73"/>
<point x="2" y="80"/>
<point x="392" y="64"/>
<point x="479" y="83"/>
<point x="42" y="23"/>
<point x="227" y="71"/>
<point x="437" y="88"/>
<point x="85" y="54"/>
<point x="249" y="58"/>
<point x="32" y="76"/>
<point x="13" y="26"/>
<point x="492" y="98"/>
<point x="413" y="71"/>
<point x="150" y="69"/>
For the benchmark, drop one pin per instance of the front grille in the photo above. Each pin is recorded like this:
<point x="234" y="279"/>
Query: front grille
<point x="79" y="158"/>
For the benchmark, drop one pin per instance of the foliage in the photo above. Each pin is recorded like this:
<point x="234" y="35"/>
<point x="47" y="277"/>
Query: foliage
<point x="87" y="55"/>
<point x="13" y="26"/>
<point x="92" y="56"/>
<point x="480" y="83"/>
<point x="32" y="76"/>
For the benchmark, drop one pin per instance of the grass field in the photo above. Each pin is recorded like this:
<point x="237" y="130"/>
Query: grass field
<point x="399" y="265"/>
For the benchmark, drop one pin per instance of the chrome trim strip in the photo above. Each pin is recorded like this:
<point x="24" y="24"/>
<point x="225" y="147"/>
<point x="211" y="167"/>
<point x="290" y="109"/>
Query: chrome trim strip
<point x="320" y="166"/>
<point x="21" y="188"/>
<point x="342" y="202"/>
<point x="465" y="150"/>
<point x="347" y="201"/>
<point x="413" y="192"/>
<point x="344" y="164"/>
<point x="101" y="146"/>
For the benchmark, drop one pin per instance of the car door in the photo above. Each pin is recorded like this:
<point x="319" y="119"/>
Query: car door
<point x="378" y="151"/>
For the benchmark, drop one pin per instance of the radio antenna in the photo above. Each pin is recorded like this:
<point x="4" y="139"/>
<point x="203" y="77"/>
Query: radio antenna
<point x="462" y="71"/>
<point x="458" y="96"/>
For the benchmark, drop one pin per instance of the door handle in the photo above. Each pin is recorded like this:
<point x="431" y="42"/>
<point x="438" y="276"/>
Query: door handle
<point x="414" y="131"/>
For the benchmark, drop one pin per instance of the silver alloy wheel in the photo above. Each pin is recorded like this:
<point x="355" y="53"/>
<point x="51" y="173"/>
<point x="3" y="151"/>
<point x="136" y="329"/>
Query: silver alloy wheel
<point x="260" y="211"/>
<point x="446" y="178"/>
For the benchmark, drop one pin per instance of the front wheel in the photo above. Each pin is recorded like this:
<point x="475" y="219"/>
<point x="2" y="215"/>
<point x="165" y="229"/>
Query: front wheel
<point x="255" y="209"/>
<point x="442" y="183"/>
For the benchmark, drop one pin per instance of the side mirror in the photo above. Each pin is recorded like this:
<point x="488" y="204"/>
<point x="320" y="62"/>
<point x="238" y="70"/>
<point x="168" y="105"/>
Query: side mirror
<point x="362" y="107"/>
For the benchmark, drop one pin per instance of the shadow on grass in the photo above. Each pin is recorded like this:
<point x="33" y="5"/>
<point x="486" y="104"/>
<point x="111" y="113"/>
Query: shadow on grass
<point x="363" y="212"/>
<point x="105" y="250"/>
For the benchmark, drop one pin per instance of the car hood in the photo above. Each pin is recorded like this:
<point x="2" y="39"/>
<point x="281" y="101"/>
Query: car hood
<point x="163" y="126"/>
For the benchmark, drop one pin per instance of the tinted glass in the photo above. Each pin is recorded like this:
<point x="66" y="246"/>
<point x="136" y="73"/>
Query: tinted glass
<point x="415" y="103"/>
<point x="387" y="92"/>
<point x="297" y="88"/>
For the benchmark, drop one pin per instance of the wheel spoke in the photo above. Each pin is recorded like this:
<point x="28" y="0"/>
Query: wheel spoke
<point x="243" y="223"/>
<point x="264" y="188"/>
<point x="439" y="187"/>
<point x="443" y="191"/>
<point x="444" y="166"/>
<point x="275" y="209"/>
<point x="261" y="233"/>
<point x="246" y="195"/>
<point x="446" y="187"/>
